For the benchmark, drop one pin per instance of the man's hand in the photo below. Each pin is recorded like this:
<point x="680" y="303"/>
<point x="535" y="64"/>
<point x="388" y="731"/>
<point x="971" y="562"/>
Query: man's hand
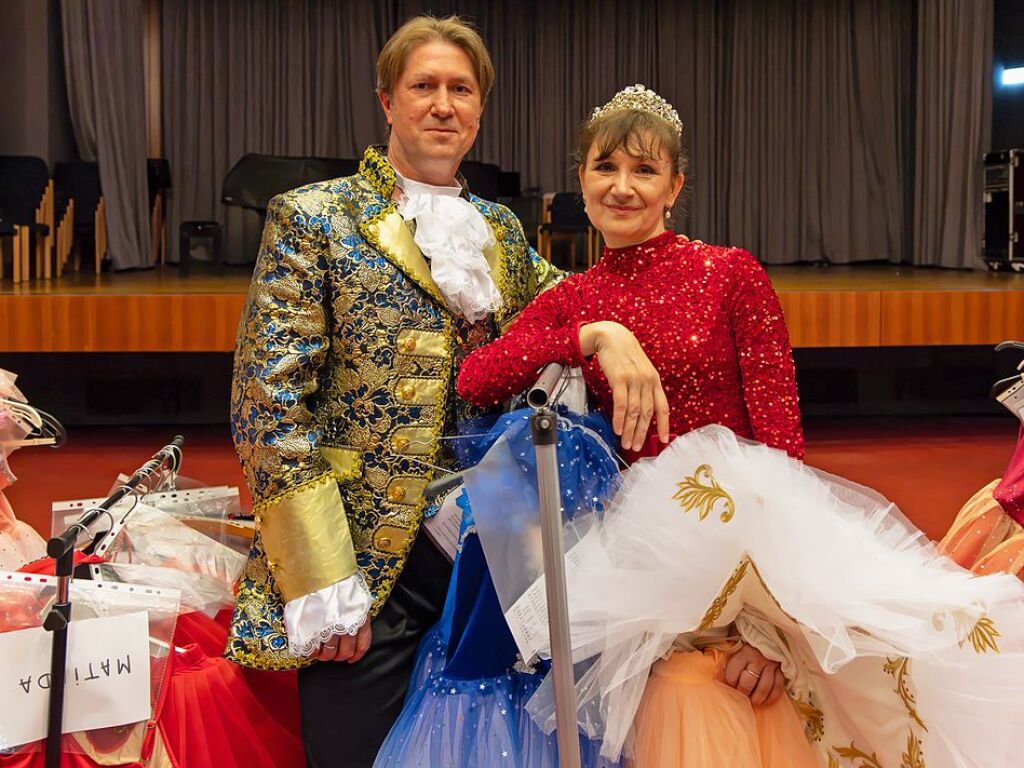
<point x="636" y="386"/>
<point x="755" y="676"/>
<point x="350" y="648"/>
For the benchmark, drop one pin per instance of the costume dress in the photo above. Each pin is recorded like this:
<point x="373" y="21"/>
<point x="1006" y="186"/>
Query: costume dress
<point x="466" y="702"/>
<point x="986" y="535"/>
<point x="893" y="655"/>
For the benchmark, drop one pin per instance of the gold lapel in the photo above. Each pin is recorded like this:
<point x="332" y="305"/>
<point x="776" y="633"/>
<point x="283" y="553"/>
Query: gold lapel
<point x="388" y="233"/>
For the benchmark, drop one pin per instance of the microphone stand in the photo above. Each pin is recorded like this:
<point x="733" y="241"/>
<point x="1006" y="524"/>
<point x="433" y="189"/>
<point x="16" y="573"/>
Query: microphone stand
<point x="544" y="426"/>
<point x="62" y="549"/>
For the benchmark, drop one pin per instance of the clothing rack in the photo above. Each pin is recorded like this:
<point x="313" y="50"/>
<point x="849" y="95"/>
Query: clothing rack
<point x="164" y="464"/>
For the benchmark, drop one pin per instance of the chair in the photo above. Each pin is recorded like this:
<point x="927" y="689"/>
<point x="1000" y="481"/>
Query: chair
<point x="509" y="184"/>
<point x="26" y="215"/>
<point x="482" y="178"/>
<point x="81" y="212"/>
<point x="252" y="182"/>
<point x="528" y="208"/>
<point x="564" y="217"/>
<point x="159" y="177"/>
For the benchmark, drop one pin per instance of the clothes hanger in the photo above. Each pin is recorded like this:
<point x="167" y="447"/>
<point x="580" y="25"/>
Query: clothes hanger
<point x="46" y="429"/>
<point x="1009" y="392"/>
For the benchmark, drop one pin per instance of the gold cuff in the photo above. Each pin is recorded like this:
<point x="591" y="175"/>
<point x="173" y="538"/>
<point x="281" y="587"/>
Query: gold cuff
<point x="306" y="536"/>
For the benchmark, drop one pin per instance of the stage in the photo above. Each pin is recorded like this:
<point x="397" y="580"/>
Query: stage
<point x="837" y="306"/>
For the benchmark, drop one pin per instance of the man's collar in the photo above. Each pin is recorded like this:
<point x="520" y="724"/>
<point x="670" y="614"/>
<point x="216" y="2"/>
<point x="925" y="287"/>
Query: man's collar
<point x="377" y="170"/>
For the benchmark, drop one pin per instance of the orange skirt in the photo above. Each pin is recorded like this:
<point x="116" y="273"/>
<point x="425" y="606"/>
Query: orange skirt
<point x="689" y="718"/>
<point x="983" y="538"/>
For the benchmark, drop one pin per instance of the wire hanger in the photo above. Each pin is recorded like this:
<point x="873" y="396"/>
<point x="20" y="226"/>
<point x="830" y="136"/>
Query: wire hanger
<point x="46" y="429"/>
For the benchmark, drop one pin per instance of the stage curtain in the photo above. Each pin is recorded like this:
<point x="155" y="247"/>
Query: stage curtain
<point x="106" y="97"/>
<point x="798" y="117"/>
<point x="954" y="93"/>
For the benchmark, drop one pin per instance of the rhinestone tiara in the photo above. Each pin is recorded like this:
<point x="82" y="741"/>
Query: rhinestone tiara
<point x="641" y="98"/>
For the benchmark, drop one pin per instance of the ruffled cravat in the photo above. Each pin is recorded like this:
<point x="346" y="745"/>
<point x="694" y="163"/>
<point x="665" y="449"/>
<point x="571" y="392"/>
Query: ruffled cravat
<point x="452" y="234"/>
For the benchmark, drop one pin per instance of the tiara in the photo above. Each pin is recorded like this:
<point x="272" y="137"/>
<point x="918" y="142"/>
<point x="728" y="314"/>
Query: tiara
<point x="643" y="99"/>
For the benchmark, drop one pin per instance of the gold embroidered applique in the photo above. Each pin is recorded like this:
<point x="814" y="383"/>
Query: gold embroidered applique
<point x="701" y="492"/>
<point x="718" y="604"/>
<point x="899" y="669"/>
<point x="814" y="719"/>
<point x="983" y="636"/>
<point x="853" y="753"/>
<point x="913" y="757"/>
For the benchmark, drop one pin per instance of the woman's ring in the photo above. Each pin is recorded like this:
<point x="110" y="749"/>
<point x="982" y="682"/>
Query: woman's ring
<point x="751" y="672"/>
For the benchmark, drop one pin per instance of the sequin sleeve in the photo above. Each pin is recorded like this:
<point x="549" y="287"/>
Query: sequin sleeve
<point x="547" y="331"/>
<point x="282" y="348"/>
<point x="768" y="376"/>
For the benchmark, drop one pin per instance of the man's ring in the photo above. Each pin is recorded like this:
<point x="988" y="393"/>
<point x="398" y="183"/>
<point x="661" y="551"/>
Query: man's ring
<point x="751" y="672"/>
<point x="334" y="648"/>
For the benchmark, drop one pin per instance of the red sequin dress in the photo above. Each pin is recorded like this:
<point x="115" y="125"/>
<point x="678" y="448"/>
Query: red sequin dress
<point x="706" y="316"/>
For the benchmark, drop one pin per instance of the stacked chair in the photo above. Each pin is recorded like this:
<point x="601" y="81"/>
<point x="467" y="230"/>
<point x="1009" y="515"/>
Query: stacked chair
<point x="565" y="217"/>
<point x="26" y="216"/>
<point x="81" y="215"/>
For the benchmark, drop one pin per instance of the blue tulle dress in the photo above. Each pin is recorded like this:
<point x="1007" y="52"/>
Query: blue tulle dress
<point x="466" y="702"/>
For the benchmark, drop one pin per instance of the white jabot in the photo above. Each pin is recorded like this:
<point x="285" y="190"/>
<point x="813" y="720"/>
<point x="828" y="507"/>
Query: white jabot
<point x="453" y="235"/>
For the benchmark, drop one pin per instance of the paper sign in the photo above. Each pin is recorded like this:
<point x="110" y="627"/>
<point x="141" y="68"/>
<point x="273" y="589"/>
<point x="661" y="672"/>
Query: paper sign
<point x="443" y="528"/>
<point x="107" y="677"/>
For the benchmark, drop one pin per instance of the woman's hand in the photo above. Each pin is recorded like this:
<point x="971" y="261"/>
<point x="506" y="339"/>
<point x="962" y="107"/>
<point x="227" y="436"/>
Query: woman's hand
<point x="753" y="675"/>
<point x="636" y="386"/>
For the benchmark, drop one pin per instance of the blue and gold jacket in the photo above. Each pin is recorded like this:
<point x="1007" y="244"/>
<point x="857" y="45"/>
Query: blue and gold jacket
<point x="343" y="384"/>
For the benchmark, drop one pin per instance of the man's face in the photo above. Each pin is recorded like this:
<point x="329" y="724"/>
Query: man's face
<point x="434" y="110"/>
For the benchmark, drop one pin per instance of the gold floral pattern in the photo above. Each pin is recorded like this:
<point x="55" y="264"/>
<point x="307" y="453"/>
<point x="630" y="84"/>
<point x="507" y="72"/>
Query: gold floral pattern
<point x="701" y="491"/>
<point x="317" y="365"/>
<point x="899" y="669"/>
<point x="714" y="611"/>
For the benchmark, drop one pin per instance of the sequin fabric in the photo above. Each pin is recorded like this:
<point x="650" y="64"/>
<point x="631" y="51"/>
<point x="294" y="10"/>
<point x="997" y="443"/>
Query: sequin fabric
<point x="706" y="316"/>
<point x="347" y="348"/>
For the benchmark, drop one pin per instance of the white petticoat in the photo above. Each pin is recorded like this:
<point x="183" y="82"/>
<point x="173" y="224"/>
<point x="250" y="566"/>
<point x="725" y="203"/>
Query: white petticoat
<point x="895" y="656"/>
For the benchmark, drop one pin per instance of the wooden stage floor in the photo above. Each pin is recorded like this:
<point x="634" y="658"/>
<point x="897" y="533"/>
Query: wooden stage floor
<point x="837" y="306"/>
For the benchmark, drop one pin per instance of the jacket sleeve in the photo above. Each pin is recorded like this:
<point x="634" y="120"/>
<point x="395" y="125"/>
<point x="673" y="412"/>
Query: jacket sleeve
<point x="283" y="343"/>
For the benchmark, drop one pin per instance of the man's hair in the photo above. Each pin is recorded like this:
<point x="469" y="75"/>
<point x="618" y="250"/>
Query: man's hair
<point x="428" y="29"/>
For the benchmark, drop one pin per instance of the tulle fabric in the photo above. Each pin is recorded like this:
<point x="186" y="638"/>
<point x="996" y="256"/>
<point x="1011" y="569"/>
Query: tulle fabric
<point x="690" y="718"/>
<point x="212" y="718"/>
<point x="893" y="648"/>
<point x="19" y="542"/>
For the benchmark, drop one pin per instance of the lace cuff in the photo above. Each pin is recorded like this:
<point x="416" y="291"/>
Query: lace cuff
<point x="340" y="609"/>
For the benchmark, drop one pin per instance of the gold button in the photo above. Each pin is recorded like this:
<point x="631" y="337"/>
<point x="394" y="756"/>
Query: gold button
<point x="407" y="392"/>
<point x="396" y="492"/>
<point x="400" y="443"/>
<point x="384" y="542"/>
<point x="409" y="344"/>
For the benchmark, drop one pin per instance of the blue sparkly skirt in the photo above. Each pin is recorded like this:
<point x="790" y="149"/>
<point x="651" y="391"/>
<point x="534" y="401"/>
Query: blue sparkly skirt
<point x="467" y="696"/>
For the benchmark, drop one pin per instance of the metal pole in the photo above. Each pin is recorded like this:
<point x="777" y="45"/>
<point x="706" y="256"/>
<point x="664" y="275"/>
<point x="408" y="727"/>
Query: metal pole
<point x="544" y="425"/>
<point x="62" y="549"/>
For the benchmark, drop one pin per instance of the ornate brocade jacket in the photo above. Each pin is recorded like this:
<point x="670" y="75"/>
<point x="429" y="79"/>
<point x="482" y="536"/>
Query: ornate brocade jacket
<point x="343" y="385"/>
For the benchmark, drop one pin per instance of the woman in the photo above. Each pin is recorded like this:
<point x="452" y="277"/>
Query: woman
<point x="720" y="342"/>
<point x="890" y="654"/>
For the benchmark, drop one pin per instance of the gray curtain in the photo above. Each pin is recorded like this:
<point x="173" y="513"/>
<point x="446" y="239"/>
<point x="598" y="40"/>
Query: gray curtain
<point x="797" y="115"/>
<point x="106" y="96"/>
<point x="954" y="93"/>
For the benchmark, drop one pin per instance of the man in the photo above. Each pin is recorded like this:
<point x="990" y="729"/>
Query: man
<point x="368" y="292"/>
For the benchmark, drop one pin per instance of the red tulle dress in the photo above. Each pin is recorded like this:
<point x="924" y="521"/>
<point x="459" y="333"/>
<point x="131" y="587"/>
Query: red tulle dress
<point x="210" y="712"/>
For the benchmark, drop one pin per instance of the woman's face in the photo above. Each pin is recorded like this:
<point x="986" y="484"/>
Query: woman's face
<point x="626" y="196"/>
